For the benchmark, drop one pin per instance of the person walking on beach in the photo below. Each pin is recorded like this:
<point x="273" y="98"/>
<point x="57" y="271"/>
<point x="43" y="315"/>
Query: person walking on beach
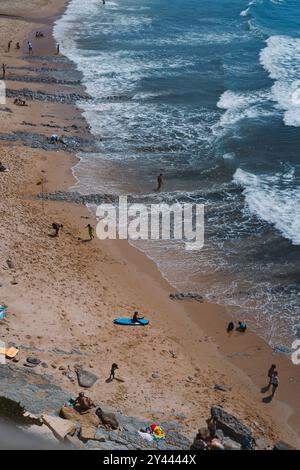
<point x="57" y="49"/>
<point x="270" y="373"/>
<point x="113" y="369"/>
<point x="8" y="46"/>
<point x="3" y="71"/>
<point x="159" y="182"/>
<point x="17" y="45"/>
<point x="56" y="227"/>
<point x="91" y="231"/>
<point x="274" y="383"/>
<point x="30" y="48"/>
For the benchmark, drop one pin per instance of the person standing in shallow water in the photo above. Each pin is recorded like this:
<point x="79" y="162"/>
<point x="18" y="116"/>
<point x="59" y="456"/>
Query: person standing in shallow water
<point x="30" y="48"/>
<point x="3" y="71"/>
<point x="159" y="182"/>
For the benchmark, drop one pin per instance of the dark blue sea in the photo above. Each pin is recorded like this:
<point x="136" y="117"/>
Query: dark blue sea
<point x="206" y="92"/>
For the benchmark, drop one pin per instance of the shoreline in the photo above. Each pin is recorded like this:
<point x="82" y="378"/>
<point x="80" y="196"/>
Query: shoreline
<point x="150" y="290"/>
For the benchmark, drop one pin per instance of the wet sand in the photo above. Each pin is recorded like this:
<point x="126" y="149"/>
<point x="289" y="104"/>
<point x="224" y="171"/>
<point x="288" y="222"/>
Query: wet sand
<point x="64" y="292"/>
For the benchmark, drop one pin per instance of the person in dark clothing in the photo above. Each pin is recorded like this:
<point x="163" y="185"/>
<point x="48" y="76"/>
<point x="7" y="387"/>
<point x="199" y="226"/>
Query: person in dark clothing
<point x="230" y="327"/>
<point x="271" y="372"/>
<point x="56" y="227"/>
<point x="113" y="369"/>
<point x="3" y="71"/>
<point x="159" y="182"/>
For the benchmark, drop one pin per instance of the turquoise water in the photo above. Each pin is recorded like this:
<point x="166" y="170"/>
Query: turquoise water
<point x="205" y="91"/>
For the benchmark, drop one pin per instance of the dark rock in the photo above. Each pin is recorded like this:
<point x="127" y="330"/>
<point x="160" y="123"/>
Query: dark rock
<point x="35" y="392"/>
<point x="187" y="296"/>
<point x="230" y="425"/>
<point x="10" y="264"/>
<point x="220" y="387"/>
<point x="85" y="378"/>
<point x="33" y="360"/>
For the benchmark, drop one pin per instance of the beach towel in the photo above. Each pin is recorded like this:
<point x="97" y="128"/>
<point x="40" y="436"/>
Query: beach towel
<point x="9" y="352"/>
<point x="157" y="432"/>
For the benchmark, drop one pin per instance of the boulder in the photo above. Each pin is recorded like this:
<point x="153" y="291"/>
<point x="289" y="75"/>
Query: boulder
<point x="60" y="427"/>
<point x="230" y="425"/>
<point x="220" y="387"/>
<point x="87" y="432"/>
<point x="90" y="418"/>
<point x="85" y="378"/>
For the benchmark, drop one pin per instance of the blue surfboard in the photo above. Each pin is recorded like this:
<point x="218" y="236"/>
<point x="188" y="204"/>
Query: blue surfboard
<point x="130" y="322"/>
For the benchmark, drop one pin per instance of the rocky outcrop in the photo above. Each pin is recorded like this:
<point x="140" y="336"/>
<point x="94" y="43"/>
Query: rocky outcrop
<point x="230" y="425"/>
<point x="187" y="296"/>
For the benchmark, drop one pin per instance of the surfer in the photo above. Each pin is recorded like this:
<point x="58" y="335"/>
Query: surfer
<point x="136" y="318"/>
<point x="159" y="182"/>
<point x="242" y="327"/>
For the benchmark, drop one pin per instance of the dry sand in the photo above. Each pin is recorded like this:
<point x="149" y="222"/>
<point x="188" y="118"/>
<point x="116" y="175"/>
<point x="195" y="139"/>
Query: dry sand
<point x="64" y="292"/>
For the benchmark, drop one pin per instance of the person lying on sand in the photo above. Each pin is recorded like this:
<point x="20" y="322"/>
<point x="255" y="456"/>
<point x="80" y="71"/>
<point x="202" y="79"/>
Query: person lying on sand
<point x="83" y="403"/>
<point x="136" y="318"/>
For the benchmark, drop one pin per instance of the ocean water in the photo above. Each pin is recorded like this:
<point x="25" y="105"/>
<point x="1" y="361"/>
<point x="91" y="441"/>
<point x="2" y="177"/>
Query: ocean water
<point x="207" y="92"/>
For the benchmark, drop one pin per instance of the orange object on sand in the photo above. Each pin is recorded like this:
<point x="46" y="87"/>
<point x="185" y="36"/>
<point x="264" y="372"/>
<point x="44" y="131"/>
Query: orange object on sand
<point x="9" y="352"/>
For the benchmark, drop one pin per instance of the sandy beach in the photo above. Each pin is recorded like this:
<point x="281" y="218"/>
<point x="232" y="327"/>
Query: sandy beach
<point x="63" y="293"/>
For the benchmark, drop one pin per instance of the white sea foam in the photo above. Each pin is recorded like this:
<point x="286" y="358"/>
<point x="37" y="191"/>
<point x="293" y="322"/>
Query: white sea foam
<point x="247" y="105"/>
<point x="281" y="59"/>
<point x="273" y="199"/>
